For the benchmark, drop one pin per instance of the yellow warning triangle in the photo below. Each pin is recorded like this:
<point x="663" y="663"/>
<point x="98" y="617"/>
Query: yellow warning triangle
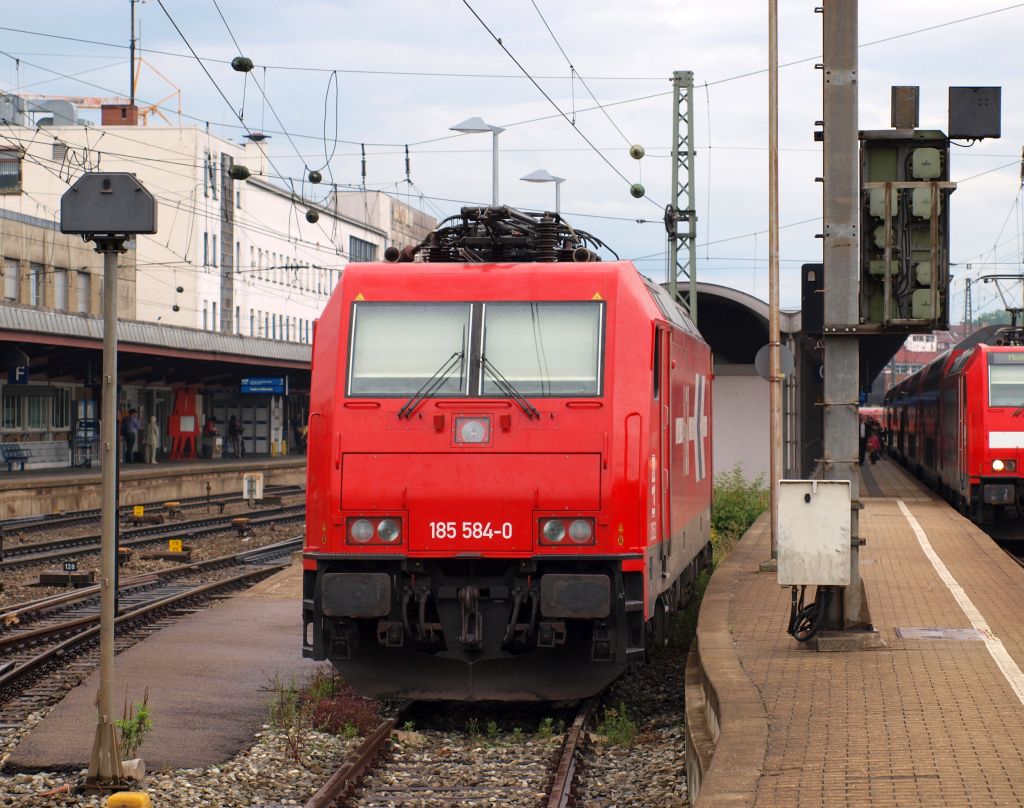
<point x="597" y="296"/>
<point x="360" y="296"/>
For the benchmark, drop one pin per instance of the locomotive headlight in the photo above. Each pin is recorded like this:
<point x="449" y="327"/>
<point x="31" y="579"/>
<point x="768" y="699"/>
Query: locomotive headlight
<point x="388" y="530"/>
<point x="581" y="531"/>
<point x="554" y="530"/>
<point x="998" y="465"/>
<point x="361" y="530"/>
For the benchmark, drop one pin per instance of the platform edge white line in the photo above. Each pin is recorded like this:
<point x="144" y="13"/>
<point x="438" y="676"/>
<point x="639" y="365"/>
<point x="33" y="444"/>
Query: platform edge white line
<point x="1006" y="664"/>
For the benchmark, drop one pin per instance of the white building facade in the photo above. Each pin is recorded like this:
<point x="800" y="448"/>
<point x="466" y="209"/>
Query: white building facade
<point x="230" y="256"/>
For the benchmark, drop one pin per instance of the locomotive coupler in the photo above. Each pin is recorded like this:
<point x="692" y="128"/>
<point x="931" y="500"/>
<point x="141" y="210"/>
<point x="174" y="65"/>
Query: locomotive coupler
<point x="472" y="621"/>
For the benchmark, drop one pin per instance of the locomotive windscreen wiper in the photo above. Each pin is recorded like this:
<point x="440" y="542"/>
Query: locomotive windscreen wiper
<point x="508" y="388"/>
<point x="431" y="385"/>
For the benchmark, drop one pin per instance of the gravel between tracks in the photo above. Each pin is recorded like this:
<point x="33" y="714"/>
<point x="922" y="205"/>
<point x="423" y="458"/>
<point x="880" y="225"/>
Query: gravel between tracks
<point x="652" y="770"/>
<point x="264" y="775"/>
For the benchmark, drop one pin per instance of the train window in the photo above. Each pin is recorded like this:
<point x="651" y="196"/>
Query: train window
<point x="1005" y="383"/>
<point x="397" y="348"/>
<point x="544" y="349"/>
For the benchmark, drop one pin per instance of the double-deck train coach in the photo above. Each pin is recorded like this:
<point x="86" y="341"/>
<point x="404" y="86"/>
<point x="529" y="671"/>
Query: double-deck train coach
<point x="509" y="479"/>
<point x="959" y="424"/>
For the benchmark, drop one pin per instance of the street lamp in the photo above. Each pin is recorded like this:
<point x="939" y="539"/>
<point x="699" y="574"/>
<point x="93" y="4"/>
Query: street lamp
<point x="541" y="175"/>
<point x="474" y="125"/>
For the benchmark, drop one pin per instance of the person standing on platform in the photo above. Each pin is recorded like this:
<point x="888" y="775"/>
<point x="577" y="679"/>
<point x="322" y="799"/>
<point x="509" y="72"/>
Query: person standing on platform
<point x="130" y="433"/>
<point x="151" y="440"/>
<point x="235" y="437"/>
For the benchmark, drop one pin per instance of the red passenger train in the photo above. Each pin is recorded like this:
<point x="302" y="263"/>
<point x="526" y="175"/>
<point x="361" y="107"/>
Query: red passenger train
<point x="959" y="423"/>
<point x="509" y="479"/>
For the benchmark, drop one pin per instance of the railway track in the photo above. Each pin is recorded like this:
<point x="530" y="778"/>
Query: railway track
<point x="370" y="777"/>
<point x="36" y="552"/>
<point x="32" y="524"/>
<point x="50" y="645"/>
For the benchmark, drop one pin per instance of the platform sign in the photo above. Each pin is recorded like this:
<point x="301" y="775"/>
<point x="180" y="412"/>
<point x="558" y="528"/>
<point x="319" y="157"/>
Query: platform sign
<point x="70" y="566"/>
<point x="263" y="385"/>
<point x="174" y="545"/>
<point x="139" y="510"/>
<point x="17" y="375"/>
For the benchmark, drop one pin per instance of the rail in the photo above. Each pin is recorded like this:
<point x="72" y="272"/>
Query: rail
<point x="90" y="623"/>
<point x="25" y="554"/>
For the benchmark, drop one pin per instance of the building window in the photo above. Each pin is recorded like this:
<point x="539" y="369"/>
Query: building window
<point x="206" y="317"/>
<point x="10" y="171"/>
<point x="12" y="409"/>
<point x="266" y="326"/>
<point x="61" y="417"/>
<point x="252" y="323"/>
<point x="213" y="250"/>
<point x="37" y="406"/>
<point x="238" y="199"/>
<point x="359" y="250"/>
<point x="238" y="319"/>
<point x="206" y="249"/>
<point x="83" y="291"/>
<point x="238" y="256"/>
<point x="207" y="173"/>
<point x="11" y="269"/>
<point x="213" y="317"/>
<point x="252" y="257"/>
<point x="60" y="289"/>
<point x="35" y="284"/>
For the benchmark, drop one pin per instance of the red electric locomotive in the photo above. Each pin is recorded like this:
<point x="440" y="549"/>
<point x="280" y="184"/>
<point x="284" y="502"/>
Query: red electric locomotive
<point x="959" y="423"/>
<point x="509" y="479"/>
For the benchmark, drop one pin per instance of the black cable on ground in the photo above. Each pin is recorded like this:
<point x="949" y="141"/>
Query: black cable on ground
<point x="804" y="621"/>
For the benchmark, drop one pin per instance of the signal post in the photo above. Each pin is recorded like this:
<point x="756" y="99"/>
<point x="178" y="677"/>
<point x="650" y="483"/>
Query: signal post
<point x="108" y="208"/>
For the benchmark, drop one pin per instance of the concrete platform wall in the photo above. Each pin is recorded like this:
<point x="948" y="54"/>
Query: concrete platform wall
<point x="29" y="494"/>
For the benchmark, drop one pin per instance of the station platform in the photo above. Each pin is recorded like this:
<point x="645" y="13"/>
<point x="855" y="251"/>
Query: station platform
<point x="42" y="491"/>
<point x="934" y="717"/>
<point x="210" y="678"/>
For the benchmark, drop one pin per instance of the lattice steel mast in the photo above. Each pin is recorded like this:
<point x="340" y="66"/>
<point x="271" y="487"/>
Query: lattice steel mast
<point x="682" y="259"/>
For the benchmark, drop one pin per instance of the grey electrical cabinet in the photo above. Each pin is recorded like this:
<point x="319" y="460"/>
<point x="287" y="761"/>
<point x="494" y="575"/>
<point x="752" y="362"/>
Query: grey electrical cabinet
<point x="975" y="112"/>
<point x="814" y="532"/>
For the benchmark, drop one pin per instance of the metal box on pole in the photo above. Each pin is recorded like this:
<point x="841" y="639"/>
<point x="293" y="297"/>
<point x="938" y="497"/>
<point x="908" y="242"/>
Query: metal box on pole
<point x="814" y="532"/>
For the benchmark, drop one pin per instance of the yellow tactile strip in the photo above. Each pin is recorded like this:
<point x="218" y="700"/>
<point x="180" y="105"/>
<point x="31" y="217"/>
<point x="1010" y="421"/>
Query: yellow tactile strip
<point x="918" y="723"/>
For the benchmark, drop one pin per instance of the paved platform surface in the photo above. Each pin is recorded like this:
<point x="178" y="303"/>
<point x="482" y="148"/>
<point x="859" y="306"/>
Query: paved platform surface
<point x="920" y="722"/>
<point x="208" y="677"/>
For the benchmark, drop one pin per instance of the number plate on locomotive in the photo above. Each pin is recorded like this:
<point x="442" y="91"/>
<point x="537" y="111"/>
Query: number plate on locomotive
<point x="471" y="530"/>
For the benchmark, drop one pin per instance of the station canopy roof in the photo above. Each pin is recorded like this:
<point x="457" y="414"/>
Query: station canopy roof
<point x="58" y="343"/>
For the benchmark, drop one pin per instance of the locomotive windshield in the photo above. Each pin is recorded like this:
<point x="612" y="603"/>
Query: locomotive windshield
<point x="398" y="347"/>
<point x="518" y="349"/>
<point x="544" y="349"/>
<point x="1006" y="380"/>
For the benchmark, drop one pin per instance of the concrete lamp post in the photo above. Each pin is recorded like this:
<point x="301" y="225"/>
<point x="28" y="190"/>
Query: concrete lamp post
<point x="542" y="175"/>
<point x="473" y="126"/>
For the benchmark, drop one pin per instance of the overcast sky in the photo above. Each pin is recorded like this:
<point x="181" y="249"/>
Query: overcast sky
<point x="384" y="54"/>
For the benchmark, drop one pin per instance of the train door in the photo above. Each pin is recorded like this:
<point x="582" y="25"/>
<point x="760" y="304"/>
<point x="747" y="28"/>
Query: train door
<point x="963" y="479"/>
<point x="663" y="357"/>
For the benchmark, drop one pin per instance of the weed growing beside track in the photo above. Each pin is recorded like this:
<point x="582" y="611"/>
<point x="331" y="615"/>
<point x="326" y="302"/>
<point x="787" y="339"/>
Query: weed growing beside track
<point x="737" y="504"/>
